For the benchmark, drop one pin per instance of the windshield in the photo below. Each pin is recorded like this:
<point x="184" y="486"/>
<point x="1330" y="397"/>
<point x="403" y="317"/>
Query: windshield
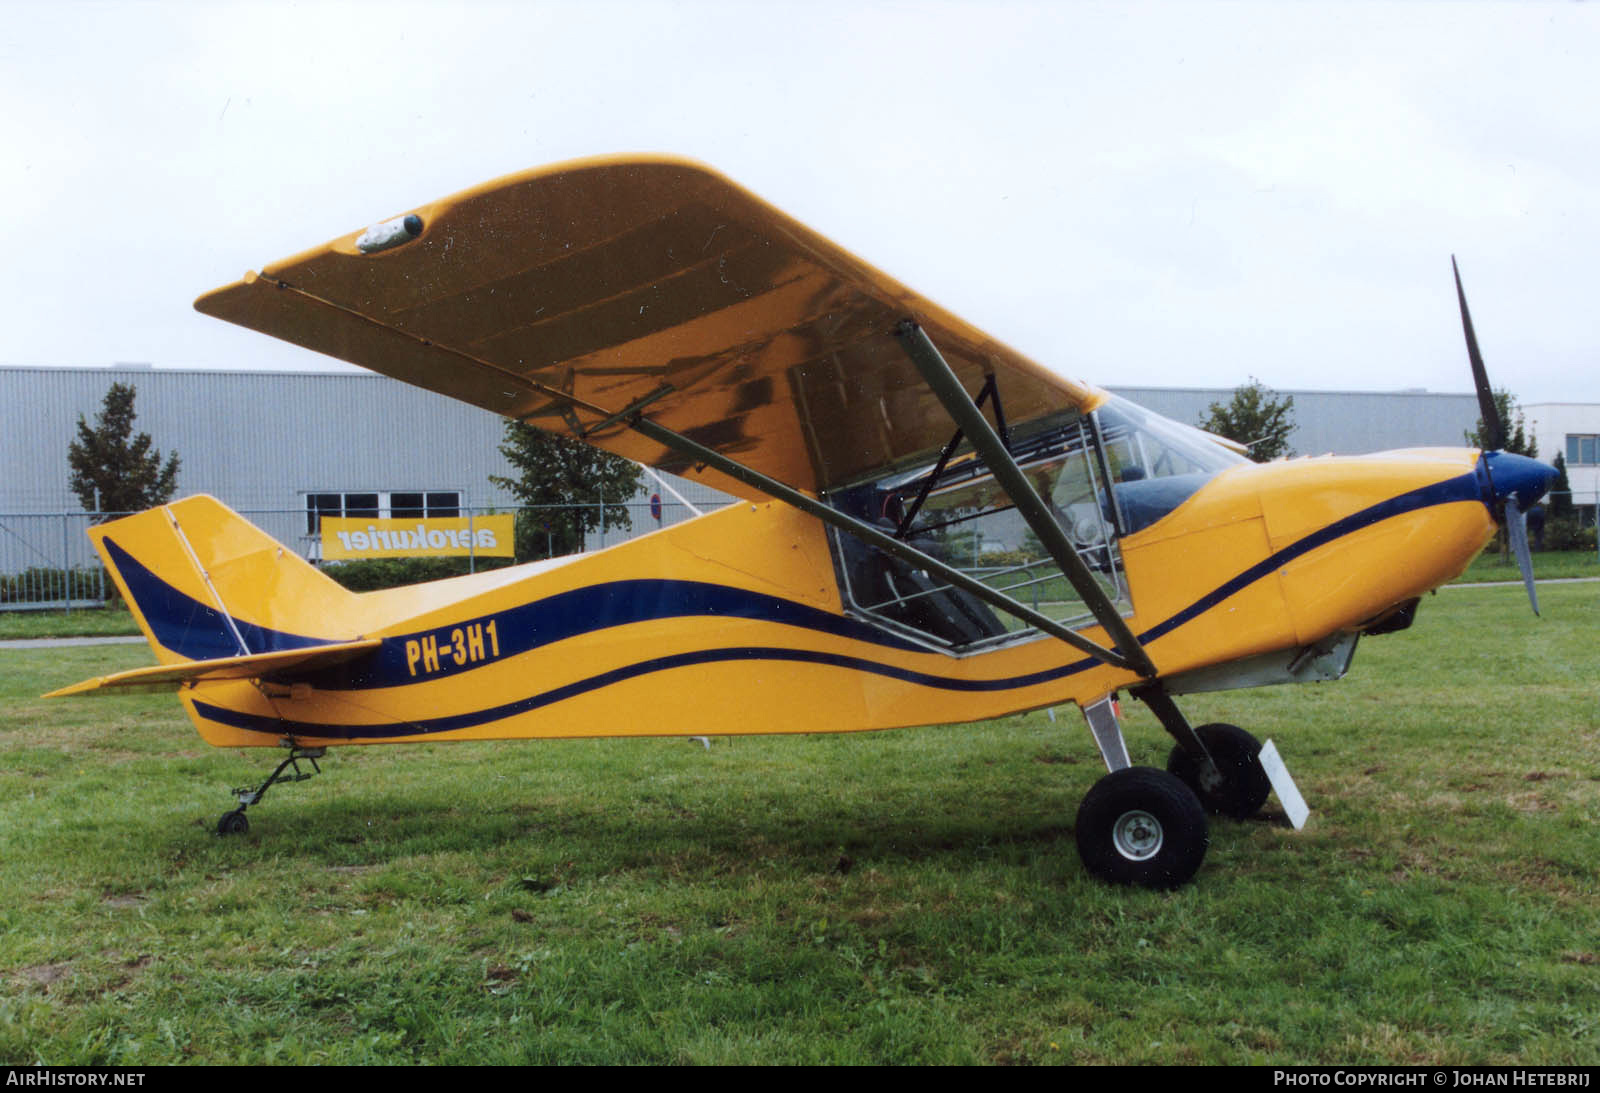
<point x="1156" y="463"/>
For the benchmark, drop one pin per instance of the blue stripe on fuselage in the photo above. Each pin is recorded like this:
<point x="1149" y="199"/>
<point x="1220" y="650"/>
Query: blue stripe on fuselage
<point x="1461" y="488"/>
<point x="193" y="630"/>
<point x="596" y="607"/>
<point x="427" y="726"/>
<point x="188" y="627"/>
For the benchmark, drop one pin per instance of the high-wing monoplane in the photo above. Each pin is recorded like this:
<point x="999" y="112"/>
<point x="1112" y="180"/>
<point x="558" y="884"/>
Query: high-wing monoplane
<point x="880" y="449"/>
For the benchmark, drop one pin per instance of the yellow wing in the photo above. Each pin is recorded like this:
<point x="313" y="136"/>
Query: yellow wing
<point x="572" y="293"/>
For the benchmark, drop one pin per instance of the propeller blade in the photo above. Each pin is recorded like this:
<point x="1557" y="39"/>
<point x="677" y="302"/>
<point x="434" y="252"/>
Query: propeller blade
<point x="1517" y="529"/>
<point x="1494" y="431"/>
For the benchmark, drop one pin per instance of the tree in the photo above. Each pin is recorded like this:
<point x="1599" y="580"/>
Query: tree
<point x="578" y="488"/>
<point x="1256" y="419"/>
<point x="110" y="474"/>
<point x="1518" y="439"/>
<point x="1561" y="492"/>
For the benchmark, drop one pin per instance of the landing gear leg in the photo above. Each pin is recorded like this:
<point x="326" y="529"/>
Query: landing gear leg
<point x="1137" y="825"/>
<point x="1219" y="762"/>
<point x="234" y="822"/>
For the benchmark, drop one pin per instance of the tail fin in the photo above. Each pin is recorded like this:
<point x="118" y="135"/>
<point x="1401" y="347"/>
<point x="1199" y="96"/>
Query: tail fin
<point x="205" y="583"/>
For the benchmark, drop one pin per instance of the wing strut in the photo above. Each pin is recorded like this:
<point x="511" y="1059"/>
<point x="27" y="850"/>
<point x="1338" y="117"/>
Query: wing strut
<point x="926" y="356"/>
<point x="989" y="389"/>
<point x="887" y="543"/>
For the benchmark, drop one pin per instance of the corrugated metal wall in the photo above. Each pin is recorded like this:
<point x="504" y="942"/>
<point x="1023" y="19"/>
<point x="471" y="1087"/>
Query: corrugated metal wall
<point x="1336" y="422"/>
<point x="259" y="440"/>
<point x="262" y="440"/>
<point x="254" y="439"/>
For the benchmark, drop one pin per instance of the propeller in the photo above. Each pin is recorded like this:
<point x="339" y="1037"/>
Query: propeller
<point x="1517" y="528"/>
<point x="1515" y="481"/>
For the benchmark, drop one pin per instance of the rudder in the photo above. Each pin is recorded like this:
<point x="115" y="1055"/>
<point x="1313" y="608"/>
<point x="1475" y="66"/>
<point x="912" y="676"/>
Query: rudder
<point x="203" y="582"/>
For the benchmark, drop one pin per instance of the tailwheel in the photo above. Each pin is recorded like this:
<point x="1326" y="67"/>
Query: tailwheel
<point x="1142" y="826"/>
<point x="234" y="823"/>
<point x="1242" y="787"/>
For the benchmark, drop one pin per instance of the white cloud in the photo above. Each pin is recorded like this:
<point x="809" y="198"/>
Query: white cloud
<point x="1136" y="193"/>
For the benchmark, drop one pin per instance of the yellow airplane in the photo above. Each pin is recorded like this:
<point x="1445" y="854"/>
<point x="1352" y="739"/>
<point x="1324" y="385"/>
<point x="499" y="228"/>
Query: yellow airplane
<point x="879" y="446"/>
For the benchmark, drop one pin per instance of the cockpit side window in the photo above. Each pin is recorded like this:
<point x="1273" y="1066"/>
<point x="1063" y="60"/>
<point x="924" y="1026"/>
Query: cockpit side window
<point x="963" y="518"/>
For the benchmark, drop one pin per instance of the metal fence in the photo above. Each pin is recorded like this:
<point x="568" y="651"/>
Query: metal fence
<point x="47" y="561"/>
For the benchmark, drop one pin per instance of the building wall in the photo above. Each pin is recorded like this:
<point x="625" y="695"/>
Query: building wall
<point x="1553" y="424"/>
<point x="263" y="440"/>
<point x="1337" y="422"/>
<point x="257" y="440"/>
<point x="260" y="442"/>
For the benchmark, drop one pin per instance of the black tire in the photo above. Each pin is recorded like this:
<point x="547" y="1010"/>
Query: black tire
<point x="233" y="823"/>
<point x="1237" y="754"/>
<point x="1142" y="826"/>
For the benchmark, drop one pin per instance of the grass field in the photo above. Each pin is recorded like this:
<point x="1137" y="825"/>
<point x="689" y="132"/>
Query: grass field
<point x="1547" y="565"/>
<point x="82" y="623"/>
<point x="899" y="897"/>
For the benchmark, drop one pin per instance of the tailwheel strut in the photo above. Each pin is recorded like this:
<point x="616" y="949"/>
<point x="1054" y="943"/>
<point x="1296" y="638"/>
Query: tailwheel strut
<point x="234" y="822"/>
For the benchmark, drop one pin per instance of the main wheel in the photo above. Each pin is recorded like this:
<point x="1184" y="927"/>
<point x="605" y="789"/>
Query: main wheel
<point x="233" y="823"/>
<point x="1142" y="826"/>
<point x="1244" y="786"/>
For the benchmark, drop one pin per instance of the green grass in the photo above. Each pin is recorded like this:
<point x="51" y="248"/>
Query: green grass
<point x="1547" y="565"/>
<point x="896" y="897"/>
<point x="84" y="622"/>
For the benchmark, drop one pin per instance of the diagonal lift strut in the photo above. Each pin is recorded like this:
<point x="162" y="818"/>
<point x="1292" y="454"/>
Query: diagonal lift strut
<point x="871" y="535"/>
<point x="1029" y="504"/>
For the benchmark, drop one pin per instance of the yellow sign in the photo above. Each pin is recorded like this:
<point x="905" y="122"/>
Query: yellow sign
<point x="440" y="537"/>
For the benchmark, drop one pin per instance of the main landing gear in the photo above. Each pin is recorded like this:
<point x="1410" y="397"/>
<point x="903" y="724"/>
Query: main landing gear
<point x="234" y="822"/>
<point x="1234" y="785"/>
<point x="1142" y="826"/>
<point x="1148" y="827"/>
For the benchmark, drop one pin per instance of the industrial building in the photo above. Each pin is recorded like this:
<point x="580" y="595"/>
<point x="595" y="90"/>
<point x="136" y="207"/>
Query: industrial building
<point x="282" y="447"/>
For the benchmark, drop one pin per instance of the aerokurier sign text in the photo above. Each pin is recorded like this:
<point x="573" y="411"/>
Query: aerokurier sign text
<point x="344" y="538"/>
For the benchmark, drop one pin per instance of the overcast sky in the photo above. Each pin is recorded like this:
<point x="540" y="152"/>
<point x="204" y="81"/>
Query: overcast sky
<point x="1162" y="194"/>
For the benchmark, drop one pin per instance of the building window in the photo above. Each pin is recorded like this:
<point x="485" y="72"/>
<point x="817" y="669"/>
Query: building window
<point x="1583" y="450"/>
<point x="404" y="504"/>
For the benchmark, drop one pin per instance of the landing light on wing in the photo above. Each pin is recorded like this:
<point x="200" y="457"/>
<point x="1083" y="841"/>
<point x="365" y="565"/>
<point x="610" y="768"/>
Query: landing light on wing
<point x="390" y="233"/>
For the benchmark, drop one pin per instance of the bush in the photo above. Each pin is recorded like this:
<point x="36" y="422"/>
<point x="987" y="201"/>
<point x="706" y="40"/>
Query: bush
<point x="372" y="574"/>
<point x="40" y="584"/>
<point x="1007" y="558"/>
<point x="1565" y="533"/>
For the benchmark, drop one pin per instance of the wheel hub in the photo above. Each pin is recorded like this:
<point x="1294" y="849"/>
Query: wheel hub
<point x="1137" y="835"/>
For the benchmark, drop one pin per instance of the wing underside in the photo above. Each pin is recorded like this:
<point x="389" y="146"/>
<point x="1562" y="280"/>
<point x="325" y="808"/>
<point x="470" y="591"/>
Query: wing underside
<point x="575" y="295"/>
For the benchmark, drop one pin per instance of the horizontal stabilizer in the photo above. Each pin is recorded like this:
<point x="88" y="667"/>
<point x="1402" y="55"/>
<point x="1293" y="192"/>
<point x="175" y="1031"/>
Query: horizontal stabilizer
<point x="168" y="677"/>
